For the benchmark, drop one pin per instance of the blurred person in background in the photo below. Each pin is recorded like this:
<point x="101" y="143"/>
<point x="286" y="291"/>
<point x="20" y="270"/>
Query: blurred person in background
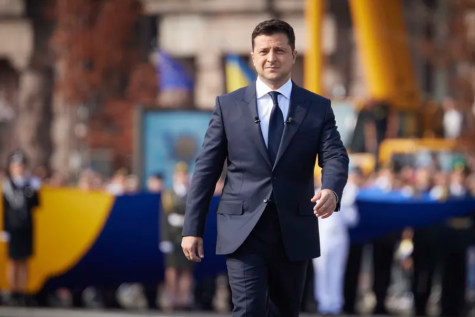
<point x="384" y="247"/>
<point x="453" y="119"/>
<point x="440" y="190"/>
<point x="471" y="184"/>
<point x="179" y="271"/>
<point x="352" y="274"/>
<point x="455" y="237"/>
<point x="57" y="180"/>
<point x="117" y="185"/>
<point x="384" y="179"/>
<point x="403" y="272"/>
<point x="407" y="174"/>
<point x="96" y="181"/>
<point x="470" y="160"/>
<point x="352" y="277"/>
<point x="132" y="184"/>
<point x="330" y="266"/>
<point x="20" y="197"/>
<point x="425" y="241"/>
<point x="41" y="172"/>
<point x="423" y="181"/>
<point x="458" y="177"/>
<point x="155" y="183"/>
<point x="85" y="181"/>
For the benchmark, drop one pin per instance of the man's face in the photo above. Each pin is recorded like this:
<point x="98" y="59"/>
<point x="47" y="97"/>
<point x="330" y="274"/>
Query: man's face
<point x="355" y="178"/>
<point x="458" y="178"/>
<point x="423" y="178"/>
<point x="273" y="58"/>
<point x="16" y="169"/>
<point x="155" y="184"/>
<point x="181" y="178"/>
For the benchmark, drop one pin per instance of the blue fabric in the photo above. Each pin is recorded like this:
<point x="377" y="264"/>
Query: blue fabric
<point x="127" y="248"/>
<point x="384" y="212"/>
<point x="248" y="73"/>
<point x="172" y="75"/>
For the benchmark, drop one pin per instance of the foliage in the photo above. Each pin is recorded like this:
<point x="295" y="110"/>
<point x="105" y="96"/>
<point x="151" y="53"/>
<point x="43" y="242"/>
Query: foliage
<point x="94" y="47"/>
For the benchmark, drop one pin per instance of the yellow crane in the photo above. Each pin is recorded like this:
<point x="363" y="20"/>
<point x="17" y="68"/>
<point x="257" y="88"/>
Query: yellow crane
<point x="383" y="44"/>
<point x="384" y="48"/>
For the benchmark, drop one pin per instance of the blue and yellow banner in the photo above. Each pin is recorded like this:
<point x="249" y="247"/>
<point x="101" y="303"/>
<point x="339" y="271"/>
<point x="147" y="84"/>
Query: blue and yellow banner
<point x="85" y="238"/>
<point x="238" y="73"/>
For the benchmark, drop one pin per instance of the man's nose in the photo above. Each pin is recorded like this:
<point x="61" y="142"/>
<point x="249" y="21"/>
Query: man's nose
<point x="271" y="57"/>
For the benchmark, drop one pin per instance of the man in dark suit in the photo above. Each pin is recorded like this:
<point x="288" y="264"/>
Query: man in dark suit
<point x="271" y="133"/>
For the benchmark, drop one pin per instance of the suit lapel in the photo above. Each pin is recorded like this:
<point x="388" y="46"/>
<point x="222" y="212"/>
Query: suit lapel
<point x="297" y="111"/>
<point x="249" y="113"/>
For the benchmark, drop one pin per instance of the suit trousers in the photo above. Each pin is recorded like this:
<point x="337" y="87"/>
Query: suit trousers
<point x="264" y="282"/>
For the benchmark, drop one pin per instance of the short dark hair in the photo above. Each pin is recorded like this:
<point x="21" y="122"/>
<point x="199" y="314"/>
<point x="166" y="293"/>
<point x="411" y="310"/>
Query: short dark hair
<point x="158" y="175"/>
<point x="270" y="27"/>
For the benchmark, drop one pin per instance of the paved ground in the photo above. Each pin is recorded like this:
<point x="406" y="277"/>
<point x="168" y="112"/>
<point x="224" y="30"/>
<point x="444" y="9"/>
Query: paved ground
<point x="22" y="312"/>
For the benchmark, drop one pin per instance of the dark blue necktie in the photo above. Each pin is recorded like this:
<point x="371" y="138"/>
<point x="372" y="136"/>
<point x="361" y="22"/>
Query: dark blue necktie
<point x="276" y="127"/>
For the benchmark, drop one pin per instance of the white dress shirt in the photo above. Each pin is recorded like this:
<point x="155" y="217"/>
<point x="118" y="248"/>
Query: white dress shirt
<point x="265" y="103"/>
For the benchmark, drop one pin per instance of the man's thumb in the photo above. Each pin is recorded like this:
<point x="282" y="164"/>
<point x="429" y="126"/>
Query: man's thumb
<point x="317" y="196"/>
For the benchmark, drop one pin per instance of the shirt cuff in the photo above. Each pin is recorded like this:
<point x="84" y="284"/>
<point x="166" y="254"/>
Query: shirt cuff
<point x="337" y="199"/>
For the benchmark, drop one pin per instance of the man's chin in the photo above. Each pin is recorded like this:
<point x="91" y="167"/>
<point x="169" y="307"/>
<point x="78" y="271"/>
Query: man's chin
<point x="273" y="78"/>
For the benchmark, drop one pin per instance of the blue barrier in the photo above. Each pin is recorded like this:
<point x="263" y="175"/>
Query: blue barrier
<point x="127" y="248"/>
<point x="382" y="212"/>
<point x="127" y="251"/>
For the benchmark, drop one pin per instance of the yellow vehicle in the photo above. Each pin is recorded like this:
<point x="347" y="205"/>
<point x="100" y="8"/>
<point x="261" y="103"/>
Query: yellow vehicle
<point x="417" y="152"/>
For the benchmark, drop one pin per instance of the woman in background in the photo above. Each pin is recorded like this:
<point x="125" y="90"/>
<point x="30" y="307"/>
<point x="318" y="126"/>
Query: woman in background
<point x="329" y="268"/>
<point x="20" y="196"/>
<point x="179" y="271"/>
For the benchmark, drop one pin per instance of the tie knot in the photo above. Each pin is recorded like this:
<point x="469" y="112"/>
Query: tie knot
<point x="274" y="95"/>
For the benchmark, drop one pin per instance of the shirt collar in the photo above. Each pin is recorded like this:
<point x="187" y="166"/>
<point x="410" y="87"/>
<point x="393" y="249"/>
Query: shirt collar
<point x="262" y="89"/>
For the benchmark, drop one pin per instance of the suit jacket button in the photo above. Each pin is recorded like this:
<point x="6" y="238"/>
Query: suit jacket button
<point x="265" y="200"/>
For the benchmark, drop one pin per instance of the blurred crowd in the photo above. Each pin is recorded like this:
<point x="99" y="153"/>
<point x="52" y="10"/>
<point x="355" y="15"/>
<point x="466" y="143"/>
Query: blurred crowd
<point x="423" y="270"/>
<point x="419" y="270"/>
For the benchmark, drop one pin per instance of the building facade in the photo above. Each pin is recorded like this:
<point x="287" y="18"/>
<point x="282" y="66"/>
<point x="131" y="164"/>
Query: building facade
<point x="202" y="32"/>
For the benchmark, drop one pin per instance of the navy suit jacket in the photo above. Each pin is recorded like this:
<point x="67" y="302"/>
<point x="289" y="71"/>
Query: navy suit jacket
<point x="234" y="135"/>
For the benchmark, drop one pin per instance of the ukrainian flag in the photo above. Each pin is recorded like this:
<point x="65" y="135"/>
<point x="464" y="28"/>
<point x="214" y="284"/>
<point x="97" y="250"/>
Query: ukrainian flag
<point x="238" y="73"/>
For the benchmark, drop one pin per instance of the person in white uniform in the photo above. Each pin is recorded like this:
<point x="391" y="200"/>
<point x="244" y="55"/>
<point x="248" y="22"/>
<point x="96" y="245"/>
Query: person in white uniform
<point x="334" y="241"/>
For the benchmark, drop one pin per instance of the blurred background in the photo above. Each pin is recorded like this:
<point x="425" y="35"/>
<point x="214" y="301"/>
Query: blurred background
<point x="109" y="100"/>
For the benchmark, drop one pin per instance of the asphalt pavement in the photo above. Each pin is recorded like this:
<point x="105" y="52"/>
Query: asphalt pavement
<point x="28" y="312"/>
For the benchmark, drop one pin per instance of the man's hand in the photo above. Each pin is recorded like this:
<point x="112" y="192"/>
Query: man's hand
<point x="326" y="203"/>
<point x="190" y="247"/>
